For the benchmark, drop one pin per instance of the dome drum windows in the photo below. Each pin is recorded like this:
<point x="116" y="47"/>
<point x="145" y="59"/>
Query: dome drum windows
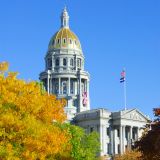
<point x="64" y="41"/>
<point x="58" y="41"/>
<point x="57" y="62"/>
<point x="64" y="62"/>
<point x="79" y="63"/>
<point x="71" y="62"/>
<point x="49" y="63"/>
<point x="70" y="41"/>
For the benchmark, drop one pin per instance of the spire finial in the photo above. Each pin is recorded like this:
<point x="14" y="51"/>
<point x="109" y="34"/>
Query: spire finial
<point x="65" y="18"/>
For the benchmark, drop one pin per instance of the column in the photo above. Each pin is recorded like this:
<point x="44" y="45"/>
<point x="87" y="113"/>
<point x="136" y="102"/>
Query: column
<point x="53" y="63"/>
<point x="51" y="86"/>
<point x="59" y="85"/>
<point x="80" y="93"/>
<point x="69" y="86"/>
<point x="121" y="139"/>
<point x="124" y="138"/>
<point x="48" y="83"/>
<point x="88" y="104"/>
<point x="131" y="136"/>
<point x="115" y="146"/>
<point x="112" y="141"/>
<point x="138" y="133"/>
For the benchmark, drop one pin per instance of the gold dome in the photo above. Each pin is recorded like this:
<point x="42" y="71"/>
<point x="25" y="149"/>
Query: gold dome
<point x="64" y="38"/>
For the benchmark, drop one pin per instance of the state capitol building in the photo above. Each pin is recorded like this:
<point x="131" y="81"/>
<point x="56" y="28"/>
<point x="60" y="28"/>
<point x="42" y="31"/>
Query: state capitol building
<point x="65" y="76"/>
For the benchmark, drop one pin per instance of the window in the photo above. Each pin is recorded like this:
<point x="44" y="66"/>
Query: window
<point x="91" y="129"/>
<point x="58" y="41"/>
<point x="64" y="62"/>
<point x="49" y="63"/>
<point x="71" y="62"/>
<point x="56" y="88"/>
<point x="64" y="87"/>
<point x="64" y="40"/>
<point x="72" y="87"/>
<point x="70" y="41"/>
<point x="107" y="130"/>
<point x="57" y="62"/>
<point x="79" y="63"/>
<point x="75" y="42"/>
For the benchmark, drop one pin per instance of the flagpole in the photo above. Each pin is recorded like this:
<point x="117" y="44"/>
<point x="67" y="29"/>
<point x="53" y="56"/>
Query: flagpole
<point x="125" y="95"/>
<point x="123" y="80"/>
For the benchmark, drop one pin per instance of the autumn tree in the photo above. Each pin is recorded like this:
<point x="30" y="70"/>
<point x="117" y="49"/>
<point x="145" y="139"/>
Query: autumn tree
<point x="129" y="155"/>
<point x="83" y="146"/>
<point x="26" y="120"/>
<point x="150" y="141"/>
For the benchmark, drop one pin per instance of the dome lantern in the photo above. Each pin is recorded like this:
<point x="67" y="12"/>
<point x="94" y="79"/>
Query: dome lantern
<point x="65" y="18"/>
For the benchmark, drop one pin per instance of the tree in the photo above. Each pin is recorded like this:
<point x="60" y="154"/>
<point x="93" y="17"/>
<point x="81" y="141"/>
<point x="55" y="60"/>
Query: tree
<point x="150" y="141"/>
<point x="129" y="155"/>
<point x="26" y="120"/>
<point x="83" y="146"/>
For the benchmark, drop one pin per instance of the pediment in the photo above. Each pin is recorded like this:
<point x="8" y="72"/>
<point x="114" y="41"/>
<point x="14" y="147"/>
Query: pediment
<point x="135" y="115"/>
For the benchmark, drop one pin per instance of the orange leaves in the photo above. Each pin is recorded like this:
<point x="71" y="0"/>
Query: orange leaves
<point x="26" y="120"/>
<point x="3" y="67"/>
<point x="156" y="111"/>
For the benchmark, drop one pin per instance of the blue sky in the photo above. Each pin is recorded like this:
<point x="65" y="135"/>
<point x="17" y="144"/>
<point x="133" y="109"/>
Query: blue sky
<point x="114" y="34"/>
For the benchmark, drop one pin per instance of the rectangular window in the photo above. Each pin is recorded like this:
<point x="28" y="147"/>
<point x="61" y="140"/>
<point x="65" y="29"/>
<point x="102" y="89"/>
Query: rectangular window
<point x="91" y="129"/>
<point x="108" y="131"/>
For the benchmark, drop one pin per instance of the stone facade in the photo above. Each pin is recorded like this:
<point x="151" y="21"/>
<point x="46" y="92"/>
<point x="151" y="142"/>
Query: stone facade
<point x="64" y="76"/>
<point x="117" y="130"/>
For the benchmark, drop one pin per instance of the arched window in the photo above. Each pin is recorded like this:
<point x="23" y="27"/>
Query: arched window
<point x="49" y="63"/>
<point x="70" y="41"/>
<point x="64" y="87"/>
<point x="64" y="40"/>
<point x="57" y="62"/>
<point x="64" y="62"/>
<point x="71" y="62"/>
<point x="58" y="41"/>
<point x="78" y="63"/>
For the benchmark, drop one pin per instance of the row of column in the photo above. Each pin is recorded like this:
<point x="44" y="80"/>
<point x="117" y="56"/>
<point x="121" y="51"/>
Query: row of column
<point x="122" y="137"/>
<point x="78" y="89"/>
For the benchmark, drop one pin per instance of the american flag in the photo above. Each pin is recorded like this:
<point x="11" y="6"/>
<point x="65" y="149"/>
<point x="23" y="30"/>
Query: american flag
<point x="123" y="75"/>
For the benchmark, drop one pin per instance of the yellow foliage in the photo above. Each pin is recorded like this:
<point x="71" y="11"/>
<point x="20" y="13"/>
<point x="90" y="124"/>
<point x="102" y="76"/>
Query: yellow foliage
<point x="129" y="155"/>
<point x="26" y="120"/>
<point x="3" y="67"/>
